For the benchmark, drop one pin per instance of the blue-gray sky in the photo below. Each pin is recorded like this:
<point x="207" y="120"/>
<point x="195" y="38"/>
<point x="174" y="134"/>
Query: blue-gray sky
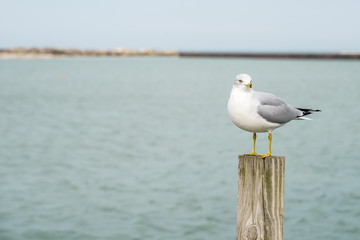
<point x="199" y="25"/>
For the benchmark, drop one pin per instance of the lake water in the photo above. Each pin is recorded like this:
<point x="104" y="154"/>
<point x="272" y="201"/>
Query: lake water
<point x="143" y="148"/>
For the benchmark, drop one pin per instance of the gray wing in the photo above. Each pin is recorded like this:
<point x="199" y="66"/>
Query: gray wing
<point x="273" y="109"/>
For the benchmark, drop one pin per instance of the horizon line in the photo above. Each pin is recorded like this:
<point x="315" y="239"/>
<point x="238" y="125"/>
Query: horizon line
<point x="33" y="52"/>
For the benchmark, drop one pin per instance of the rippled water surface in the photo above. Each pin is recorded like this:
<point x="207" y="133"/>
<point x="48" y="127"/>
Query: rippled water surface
<point x="143" y="148"/>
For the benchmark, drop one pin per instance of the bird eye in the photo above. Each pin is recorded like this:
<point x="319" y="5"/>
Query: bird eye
<point x="240" y="81"/>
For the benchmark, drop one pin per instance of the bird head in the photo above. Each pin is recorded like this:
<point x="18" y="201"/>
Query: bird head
<point x="243" y="80"/>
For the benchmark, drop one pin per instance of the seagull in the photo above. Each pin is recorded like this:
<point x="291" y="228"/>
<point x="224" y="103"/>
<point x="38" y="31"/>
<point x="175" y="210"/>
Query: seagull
<point x="258" y="112"/>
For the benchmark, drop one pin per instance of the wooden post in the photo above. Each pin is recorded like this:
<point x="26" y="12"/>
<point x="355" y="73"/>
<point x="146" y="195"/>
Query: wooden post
<point x="260" y="210"/>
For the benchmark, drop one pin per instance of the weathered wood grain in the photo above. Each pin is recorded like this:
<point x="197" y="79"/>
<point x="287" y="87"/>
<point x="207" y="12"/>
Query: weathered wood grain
<point x="260" y="198"/>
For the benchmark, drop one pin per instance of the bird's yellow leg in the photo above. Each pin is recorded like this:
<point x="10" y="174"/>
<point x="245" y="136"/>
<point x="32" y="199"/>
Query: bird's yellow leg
<point x="253" y="149"/>
<point x="269" y="153"/>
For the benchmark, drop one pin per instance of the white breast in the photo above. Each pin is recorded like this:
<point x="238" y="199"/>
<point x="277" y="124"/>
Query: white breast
<point x="242" y="108"/>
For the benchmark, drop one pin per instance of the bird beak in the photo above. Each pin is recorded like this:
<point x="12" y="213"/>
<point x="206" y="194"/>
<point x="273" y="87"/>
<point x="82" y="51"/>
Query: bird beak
<point x="249" y="85"/>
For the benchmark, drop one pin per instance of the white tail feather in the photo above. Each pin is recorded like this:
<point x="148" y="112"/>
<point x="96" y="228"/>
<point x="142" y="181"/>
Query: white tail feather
<point x="303" y="118"/>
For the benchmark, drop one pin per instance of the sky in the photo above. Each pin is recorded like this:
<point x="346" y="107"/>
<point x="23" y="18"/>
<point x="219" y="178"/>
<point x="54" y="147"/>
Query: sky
<point x="185" y="25"/>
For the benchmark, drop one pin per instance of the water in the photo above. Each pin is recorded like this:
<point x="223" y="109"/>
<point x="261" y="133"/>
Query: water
<point x="143" y="148"/>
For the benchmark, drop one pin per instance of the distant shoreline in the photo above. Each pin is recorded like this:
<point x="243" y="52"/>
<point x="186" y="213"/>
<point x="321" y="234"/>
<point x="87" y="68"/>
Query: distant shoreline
<point x="46" y="53"/>
<point x="19" y="53"/>
<point x="350" y="56"/>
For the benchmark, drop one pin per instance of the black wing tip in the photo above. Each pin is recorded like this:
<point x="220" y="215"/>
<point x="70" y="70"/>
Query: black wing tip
<point x="307" y="111"/>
